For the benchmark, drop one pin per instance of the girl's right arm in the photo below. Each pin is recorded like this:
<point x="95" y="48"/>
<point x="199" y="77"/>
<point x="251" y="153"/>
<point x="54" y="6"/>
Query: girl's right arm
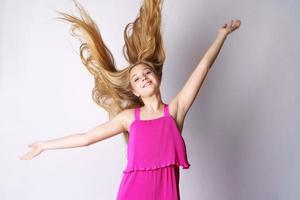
<point x="103" y="131"/>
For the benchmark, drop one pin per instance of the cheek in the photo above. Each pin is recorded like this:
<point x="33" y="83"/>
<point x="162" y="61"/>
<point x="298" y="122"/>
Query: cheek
<point x="155" y="78"/>
<point x="135" y="86"/>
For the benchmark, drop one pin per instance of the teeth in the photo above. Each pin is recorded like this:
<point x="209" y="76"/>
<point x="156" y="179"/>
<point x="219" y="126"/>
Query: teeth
<point x="147" y="84"/>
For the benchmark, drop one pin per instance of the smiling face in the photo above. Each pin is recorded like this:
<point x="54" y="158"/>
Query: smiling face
<point x="144" y="80"/>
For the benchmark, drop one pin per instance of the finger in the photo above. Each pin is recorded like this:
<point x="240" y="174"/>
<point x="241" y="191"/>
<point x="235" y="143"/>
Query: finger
<point x="28" y="154"/>
<point x="237" y="23"/>
<point x="232" y="25"/>
<point x="26" y="157"/>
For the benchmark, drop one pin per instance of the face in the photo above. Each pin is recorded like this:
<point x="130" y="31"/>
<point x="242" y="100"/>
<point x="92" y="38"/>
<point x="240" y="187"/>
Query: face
<point x="143" y="80"/>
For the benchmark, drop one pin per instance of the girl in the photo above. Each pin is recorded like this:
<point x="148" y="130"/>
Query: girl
<point x="151" y="128"/>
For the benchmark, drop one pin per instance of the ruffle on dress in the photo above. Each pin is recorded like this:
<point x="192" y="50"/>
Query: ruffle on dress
<point x="140" y="168"/>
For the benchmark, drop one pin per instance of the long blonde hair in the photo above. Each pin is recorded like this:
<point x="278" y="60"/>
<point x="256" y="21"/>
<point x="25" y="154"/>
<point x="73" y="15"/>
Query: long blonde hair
<point x="143" y="44"/>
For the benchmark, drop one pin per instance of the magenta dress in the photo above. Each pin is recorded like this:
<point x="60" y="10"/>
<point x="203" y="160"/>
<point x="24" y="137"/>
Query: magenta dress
<point x="155" y="151"/>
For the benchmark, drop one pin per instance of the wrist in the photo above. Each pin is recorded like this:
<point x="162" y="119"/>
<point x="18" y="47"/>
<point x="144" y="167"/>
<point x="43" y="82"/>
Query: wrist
<point x="222" y="33"/>
<point x="43" y="145"/>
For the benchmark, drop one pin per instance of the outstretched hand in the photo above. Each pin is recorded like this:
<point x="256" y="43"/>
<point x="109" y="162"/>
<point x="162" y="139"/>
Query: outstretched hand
<point x="35" y="151"/>
<point x="228" y="28"/>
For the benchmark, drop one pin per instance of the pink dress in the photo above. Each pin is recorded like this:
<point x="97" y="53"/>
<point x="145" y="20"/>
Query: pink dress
<point x="155" y="151"/>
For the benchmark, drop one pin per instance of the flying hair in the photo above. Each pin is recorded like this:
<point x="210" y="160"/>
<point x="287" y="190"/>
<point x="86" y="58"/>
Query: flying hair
<point x="143" y="44"/>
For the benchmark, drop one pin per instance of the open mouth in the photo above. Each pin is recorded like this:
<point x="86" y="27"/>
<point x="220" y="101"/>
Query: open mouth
<point x="146" y="84"/>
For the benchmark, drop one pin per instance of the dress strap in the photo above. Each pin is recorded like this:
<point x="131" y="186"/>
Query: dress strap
<point x="137" y="113"/>
<point x="166" y="110"/>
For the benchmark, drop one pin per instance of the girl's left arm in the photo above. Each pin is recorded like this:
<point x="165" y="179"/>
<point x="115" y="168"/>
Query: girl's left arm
<point x="186" y="96"/>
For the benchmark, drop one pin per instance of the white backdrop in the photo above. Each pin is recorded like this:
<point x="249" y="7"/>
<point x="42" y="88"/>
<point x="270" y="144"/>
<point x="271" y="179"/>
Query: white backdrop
<point x="241" y="133"/>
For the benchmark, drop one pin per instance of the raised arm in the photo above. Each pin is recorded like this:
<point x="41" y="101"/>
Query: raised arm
<point x="103" y="131"/>
<point x="186" y="96"/>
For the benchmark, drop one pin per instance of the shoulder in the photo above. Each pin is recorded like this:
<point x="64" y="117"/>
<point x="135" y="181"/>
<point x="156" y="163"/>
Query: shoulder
<point x="127" y="117"/>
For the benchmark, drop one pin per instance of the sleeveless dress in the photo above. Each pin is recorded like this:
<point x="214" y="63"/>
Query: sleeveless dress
<point x="155" y="151"/>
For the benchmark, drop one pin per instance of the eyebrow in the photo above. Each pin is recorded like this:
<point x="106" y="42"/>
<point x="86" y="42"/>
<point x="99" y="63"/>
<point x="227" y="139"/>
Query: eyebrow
<point x="143" y="70"/>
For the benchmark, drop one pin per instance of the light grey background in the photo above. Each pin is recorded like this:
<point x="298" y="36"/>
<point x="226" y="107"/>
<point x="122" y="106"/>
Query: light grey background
<point x="242" y="132"/>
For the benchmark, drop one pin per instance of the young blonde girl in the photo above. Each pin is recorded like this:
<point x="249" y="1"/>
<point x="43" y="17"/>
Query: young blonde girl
<point x="122" y="91"/>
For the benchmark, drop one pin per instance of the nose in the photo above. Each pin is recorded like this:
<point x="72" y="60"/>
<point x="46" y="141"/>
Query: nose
<point x="144" y="78"/>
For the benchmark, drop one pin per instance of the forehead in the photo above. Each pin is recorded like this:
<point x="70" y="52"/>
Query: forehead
<point x="138" y="68"/>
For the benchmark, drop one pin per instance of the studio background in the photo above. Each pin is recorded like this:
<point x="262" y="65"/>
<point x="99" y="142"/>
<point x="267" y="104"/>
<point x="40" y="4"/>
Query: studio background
<point x="242" y="131"/>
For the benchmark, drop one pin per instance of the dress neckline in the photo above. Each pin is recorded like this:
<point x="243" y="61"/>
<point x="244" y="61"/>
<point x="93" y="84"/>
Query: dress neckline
<point x="142" y="120"/>
<point x="138" y="114"/>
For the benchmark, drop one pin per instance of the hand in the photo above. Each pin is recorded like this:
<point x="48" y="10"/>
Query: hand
<point x="230" y="27"/>
<point x="36" y="150"/>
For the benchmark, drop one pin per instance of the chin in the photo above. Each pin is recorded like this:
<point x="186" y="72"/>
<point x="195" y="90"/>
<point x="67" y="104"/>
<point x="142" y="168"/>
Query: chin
<point x="152" y="91"/>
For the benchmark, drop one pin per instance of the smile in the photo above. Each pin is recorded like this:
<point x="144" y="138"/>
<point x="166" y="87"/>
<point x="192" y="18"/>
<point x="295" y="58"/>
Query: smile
<point x="148" y="83"/>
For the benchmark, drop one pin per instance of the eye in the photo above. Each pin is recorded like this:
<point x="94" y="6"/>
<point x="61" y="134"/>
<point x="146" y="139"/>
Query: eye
<point x="138" y="78"/>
